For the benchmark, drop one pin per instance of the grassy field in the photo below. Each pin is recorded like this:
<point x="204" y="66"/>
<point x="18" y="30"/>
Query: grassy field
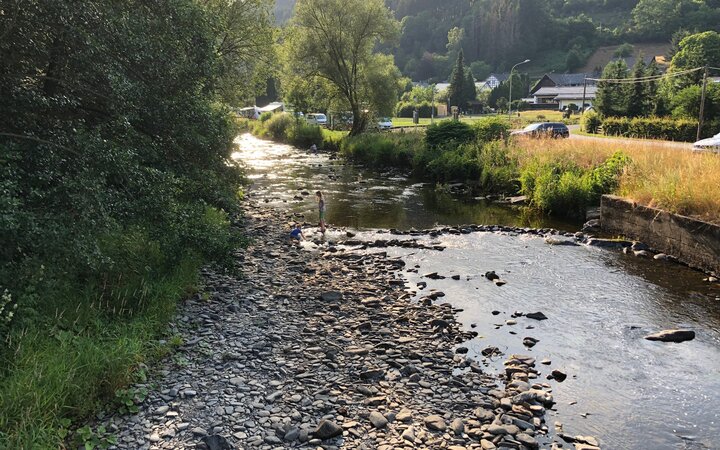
<point x="668" y="178"/>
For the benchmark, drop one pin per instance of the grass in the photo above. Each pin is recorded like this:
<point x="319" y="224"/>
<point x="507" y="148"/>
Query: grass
<point x="672" y="179"/>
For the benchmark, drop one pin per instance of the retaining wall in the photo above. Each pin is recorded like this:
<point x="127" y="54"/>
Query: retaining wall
<point x="692" y="241"/>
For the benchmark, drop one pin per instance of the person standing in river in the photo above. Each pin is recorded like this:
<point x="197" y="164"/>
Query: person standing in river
<point x="321" y="207"/>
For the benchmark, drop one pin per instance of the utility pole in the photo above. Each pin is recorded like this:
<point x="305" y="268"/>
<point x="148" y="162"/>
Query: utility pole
<point x="702" y="104"/>
<point x="432" y="105"/>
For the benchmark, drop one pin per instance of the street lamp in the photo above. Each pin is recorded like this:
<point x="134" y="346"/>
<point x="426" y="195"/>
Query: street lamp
<point x="510" y="80"/>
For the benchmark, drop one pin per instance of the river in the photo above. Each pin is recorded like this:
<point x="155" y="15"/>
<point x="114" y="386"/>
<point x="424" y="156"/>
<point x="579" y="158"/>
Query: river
<point x="629" y="392"/>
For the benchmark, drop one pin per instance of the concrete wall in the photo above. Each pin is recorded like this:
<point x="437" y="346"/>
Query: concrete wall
<point x="694" y="242"/>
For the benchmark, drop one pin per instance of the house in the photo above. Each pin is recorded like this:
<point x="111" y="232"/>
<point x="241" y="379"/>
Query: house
<point x="495" y="80"/>
<point x="564" y="80"/>
<point x="563" y="96"/>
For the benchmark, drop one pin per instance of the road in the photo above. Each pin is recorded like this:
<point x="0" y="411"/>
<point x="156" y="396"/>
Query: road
<point x="575" y="129"/>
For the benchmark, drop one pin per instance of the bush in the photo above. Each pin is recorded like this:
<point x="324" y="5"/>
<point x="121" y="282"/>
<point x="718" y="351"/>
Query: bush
<point x="590" y="122"/>
<point x="382" y="149"/>
<point x="264" y="117"/>
<point x="683" y="130"/>
<point x="303" y="135"/>
<point x="491" y="129"/>
<point x="278" y="125"/>
<point x="406" y="109"/>
<point x="448" y="132"/>
<point x="563" y="188"/>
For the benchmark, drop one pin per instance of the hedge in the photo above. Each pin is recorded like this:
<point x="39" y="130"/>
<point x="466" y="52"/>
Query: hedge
<point x="667" y="129"/>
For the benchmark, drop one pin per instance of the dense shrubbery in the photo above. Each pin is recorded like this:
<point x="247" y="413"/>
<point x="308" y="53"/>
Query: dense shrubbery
<point x="383" y="149"/>
<point x="590" y="122"/>
<point x="651" y="128"/>
<point x="562" y="187"/>
<point x="448" y="132"/>
<point x="116" y="185"/>
<point x="285" y="128"/>
<point x="406" y="109"/>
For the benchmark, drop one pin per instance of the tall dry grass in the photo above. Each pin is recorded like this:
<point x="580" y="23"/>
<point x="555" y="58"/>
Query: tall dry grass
<point x="660" y="176"/>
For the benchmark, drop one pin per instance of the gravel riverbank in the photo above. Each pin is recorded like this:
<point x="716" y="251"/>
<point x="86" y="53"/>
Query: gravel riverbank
<point x="327" y="350"/>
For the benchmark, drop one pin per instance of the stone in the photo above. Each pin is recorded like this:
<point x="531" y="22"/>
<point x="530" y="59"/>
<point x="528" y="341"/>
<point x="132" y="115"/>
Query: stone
<point x="404" y="415"/>
<point x="536" y="315"/>
<point x="378" y="420"/>
<point x="292" y="434"/>
<point x="216" y="442"/>
<point x="457" y="426"/>
<point x="491" y="275"/>
<point x="435" y="423"/>
<point x="372" y="374"/>
<point x="527" y="440"/>
<point x="408" y="434"/>
<point x="559" y="375"/>
<point x="331" y="296"/>
<point x="199" y="431"/>
<point x="327" y="429"/>
<point x="503" y="429"/>
<point x="530" y="342"/>
<point x="676" y="336"/>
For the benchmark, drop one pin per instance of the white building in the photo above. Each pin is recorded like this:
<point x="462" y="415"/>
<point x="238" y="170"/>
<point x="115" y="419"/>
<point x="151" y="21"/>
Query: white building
<point x="562" y="96"/>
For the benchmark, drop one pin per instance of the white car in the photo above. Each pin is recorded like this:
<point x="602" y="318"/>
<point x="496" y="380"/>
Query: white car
<point x="316" y="119"/>
<point x="384" y="123"/>
<point x="708" y="145"/>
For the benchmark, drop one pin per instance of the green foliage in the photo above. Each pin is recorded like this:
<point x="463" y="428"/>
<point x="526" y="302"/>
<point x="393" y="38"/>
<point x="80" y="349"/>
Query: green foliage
<point x="590" y="122"/>
<point x="116" y="185"/>
<point x="448" y="132"/>
<point x="563" y="188"/>
<point x="303" y="135"/>
<point x="611" y="98"/>
<point x="491" y="129"/>
<point x="382" y="149"/>
<point x="406" y="109"/>
<point x="264" y="117"/>
<point x="683" y="130"/>
<point x="335" y="41"/>
<point x="278" y="125"/>
<point x="695" y="50"/>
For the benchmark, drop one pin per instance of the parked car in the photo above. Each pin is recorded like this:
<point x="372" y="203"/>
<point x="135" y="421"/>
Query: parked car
<point x="316" y="119"/>
<point x="708" y="145"/>
<point x="384" y="123"/>
<point x="544" y="129"/>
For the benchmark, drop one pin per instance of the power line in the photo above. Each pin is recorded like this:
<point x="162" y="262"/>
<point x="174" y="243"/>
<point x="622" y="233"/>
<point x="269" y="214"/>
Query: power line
<point x="647" y="79"/>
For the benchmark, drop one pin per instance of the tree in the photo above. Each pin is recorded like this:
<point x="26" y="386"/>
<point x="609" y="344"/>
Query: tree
<point x="696" y="50"/>
<point x="457" y="92"/>
<point x="637" y="93"/>
<point x="469" y="89"/>
<point x="335" y="40"/>
<point x="611" y="100"/>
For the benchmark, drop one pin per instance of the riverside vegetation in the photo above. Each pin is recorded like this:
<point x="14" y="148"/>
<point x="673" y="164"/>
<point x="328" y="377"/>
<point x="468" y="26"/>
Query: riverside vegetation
<point x="116" y="187"/>
<point x="560" y="177"/>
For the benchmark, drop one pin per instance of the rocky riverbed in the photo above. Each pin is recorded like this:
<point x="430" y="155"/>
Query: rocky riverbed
<point x="327" y="349"/>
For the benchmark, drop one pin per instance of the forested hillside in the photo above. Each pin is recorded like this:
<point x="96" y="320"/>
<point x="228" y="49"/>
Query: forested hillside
<point x="558" y="35"/>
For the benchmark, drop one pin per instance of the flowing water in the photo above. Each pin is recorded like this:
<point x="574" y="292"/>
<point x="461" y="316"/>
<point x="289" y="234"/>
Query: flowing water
<point x="629" y="392"/>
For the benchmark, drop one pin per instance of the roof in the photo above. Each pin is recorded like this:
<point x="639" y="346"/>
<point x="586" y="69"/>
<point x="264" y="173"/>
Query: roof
<point x="569" y="79"/>
<point x="274" y="106"/>
<point x="564" y="91"/>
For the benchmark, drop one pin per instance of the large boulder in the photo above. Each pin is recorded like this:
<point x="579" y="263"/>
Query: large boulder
<point x="327" y="429"/>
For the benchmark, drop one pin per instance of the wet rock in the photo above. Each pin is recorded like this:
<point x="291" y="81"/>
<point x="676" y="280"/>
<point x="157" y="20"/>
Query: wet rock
<point x="491" y="275"/>
<point x="327" y="429"/>
<point x="676" y="336"/>
<point x="642" y="254"/>
<point x="536" y="315"/>
<point x="461" y="350"/>
<point x="530" y="342"/>
<point x="559" y="375"/>
<point x="435" y="423"/>
<point x="500" y="282"/>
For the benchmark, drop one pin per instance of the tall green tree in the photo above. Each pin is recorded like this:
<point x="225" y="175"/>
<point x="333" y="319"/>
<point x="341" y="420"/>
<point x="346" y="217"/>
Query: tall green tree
<point x="335" y="40"/>
<point x="638" y="100"/>
<point x="457" y="92"/>
<point x="470" y="91"/>
<point x="611" y="98"/>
